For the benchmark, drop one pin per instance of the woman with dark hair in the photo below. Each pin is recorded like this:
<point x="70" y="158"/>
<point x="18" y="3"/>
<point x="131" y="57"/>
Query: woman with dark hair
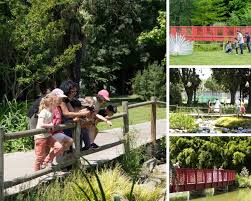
<point x="70" y="90"/>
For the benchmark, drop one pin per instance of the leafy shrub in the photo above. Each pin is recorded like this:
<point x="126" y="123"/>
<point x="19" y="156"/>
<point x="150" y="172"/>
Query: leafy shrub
<point x="183" y="122"/>
<point x="244" y="182"/>
<point x="12" y="119"/>
<point x="150" y="82"/>
<point x="175" y="94"/>
<point x="114" y="182"/>
<point x="229" y="109"/>
<point x="233" y="122"/>
<point x="208" y="47"/>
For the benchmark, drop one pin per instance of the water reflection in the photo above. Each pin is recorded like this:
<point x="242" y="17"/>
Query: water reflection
<point x="239" y="195"/>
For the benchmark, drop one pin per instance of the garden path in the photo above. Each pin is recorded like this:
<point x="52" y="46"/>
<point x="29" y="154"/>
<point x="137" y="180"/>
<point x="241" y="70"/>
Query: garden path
<point x="20" y="163"/>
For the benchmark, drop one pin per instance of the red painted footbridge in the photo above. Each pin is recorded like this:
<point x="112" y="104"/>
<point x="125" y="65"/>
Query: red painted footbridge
<point x="186" y="179"/>
<point x="209" y="33"/>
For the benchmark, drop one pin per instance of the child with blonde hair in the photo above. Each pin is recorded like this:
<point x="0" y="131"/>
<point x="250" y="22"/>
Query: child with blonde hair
<point x="46" y="147"/>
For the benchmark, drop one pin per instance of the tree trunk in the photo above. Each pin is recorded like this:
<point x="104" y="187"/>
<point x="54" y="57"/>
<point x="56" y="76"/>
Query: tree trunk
<point x="233" y="93"/>
<point x="194" y="96"/>
<point x="249" y="100"/>
<point x="189" y="93"/>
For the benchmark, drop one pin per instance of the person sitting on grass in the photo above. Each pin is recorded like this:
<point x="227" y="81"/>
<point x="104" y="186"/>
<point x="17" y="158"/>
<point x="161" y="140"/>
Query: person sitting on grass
<point x="229" y="47"/>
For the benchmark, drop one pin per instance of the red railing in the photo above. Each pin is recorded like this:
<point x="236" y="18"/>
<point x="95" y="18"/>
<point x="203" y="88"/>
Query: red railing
<point x="209" y="33"/>
<point x="185" y="179"/>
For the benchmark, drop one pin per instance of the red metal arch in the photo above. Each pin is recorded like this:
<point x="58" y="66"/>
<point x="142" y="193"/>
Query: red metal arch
<point x="209" y="33"/>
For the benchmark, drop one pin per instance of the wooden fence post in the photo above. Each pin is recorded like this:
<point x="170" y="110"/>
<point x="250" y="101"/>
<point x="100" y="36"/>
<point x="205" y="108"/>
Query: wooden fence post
<point x="76" y="138"/>
<point x="1" y="164"/>
<point x="153" y="120"/>
<point x="125" y="117"/>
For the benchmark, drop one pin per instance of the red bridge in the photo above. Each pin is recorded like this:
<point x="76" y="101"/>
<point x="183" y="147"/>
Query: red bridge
<point x="209" y="33"/>
<point x="185" y="179"/>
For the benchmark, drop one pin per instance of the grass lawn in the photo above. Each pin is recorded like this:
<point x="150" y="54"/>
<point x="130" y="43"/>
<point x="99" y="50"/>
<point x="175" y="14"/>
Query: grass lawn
<point x="136" y="116"/>
<point x="211" y="58"/>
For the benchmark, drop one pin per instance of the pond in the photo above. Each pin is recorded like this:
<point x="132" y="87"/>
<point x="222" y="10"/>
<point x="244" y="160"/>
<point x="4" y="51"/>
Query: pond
<point x="207" y="125"/>
<point x="239" y="195"/>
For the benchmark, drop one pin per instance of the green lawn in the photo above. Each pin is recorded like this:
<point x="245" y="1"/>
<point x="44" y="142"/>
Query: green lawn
<point x="211" y="58"/>
<point x="136" y="116"/>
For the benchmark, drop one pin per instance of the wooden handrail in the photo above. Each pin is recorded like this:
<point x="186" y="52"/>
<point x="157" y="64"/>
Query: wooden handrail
<point x="76" y="135"/>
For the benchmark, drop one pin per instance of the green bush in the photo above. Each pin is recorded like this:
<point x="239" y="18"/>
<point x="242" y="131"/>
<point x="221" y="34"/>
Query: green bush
<point x="12" y="119"/>
<point x="229" y="109"/>
<point x="114" y="182"/>
<point x="175" y="94"/>
<point x="244" y="182"/>
<point x="233" y="122"/>
<point x="208" y="47"/>
<point x="183" y="121"/>
<point x="150" y="82"/>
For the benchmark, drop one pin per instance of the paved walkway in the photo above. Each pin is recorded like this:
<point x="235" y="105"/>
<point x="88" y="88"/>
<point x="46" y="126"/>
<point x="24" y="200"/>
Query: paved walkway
<point x="20" y="163"/>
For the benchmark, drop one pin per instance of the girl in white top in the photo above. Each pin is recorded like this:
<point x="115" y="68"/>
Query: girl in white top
<point x="46" y="147"/>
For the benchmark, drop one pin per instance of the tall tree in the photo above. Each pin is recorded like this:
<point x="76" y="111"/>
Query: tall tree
<point x="212" y="85"/>
<point x="208" y="12"/>
<point x="191" y="82"/>
<point x="181" y="12"/>
<point x="230" y="78"/>
<point x="36" y="47"/>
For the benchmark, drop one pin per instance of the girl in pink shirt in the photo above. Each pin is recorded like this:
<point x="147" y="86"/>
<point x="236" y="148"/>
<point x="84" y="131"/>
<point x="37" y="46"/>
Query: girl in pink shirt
<point x="63" y="139"/>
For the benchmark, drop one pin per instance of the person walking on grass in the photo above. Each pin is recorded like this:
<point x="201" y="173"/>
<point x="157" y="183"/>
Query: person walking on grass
<point x="248" y="42"/>
<point x="46" y="147"/>
<point x="240" y="40"/>
<point x="242" y="108"/>
<point x="209" y="105"/>
<point x="217" y="106"/>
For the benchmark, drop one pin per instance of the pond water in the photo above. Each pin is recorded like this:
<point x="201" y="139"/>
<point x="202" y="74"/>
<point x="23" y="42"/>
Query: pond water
<point x="239" y="195"/>
<point x="207" y="125"/>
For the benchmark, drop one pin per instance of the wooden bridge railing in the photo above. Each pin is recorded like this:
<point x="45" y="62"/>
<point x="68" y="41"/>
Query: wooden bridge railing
<point x="4" y="137"/>
<point x="186" y="179"/>
<point x="197" y="110"/>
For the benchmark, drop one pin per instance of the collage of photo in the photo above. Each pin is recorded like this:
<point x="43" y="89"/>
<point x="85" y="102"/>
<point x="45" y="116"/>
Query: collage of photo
<point x="209" y="150"/>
